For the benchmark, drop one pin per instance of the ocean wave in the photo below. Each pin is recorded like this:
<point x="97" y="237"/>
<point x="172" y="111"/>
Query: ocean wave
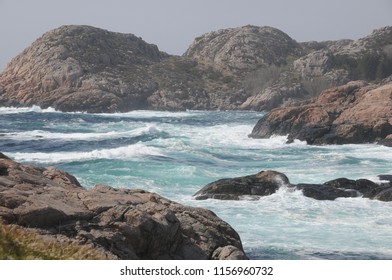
<point x="145" y="114"/>
<point x="34" y="108"/>
<point x="150" y="130"/>
<point x="129" y="152"/>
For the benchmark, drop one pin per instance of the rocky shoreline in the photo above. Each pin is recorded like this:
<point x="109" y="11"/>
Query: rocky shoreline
<point x="358" y="112"/>
<point x="119" y="223"/>
<point x="84" y="68"/>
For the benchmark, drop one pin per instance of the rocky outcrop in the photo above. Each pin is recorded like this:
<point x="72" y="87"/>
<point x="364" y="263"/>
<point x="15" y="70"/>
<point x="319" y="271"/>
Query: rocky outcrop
<point x="357" y="112"/>
<point x="83" y="68"/>
<point x="260" y="184"/>
<point x="244" y="48"/>
<point x="323" y="65"/>
<point x="274" y="96"/>
<point x="121" y="223"/>
<point x="268" y="182"/>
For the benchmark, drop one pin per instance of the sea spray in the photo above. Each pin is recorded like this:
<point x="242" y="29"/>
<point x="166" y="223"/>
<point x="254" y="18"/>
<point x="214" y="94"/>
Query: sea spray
<point x="176" y="153"/>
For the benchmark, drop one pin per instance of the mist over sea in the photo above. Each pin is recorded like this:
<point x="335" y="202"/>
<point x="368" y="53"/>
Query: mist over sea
<point x="176" y="154"/>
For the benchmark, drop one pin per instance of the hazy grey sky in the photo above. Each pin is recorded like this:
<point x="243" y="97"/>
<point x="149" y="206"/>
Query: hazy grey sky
<point x="173" y="24"/>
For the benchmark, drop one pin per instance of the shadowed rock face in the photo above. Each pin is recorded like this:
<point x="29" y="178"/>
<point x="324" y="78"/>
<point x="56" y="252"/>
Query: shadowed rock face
<point x="357" y="112"/>
<point x="122" y="223"/>
<point x="268" y="182"/>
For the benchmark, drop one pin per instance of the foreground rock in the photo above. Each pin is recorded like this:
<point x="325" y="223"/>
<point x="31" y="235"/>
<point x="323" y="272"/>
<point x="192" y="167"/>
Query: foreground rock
<point x="357" y="112"/>
<point x="268" y="182"/>
<point x="121" y="223"/>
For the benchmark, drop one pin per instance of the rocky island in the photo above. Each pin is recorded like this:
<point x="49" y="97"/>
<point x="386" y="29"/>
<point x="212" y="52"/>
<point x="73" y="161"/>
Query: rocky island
<point x="83" y="68"/>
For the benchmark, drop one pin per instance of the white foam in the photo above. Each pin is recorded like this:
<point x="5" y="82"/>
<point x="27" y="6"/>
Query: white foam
<point x="150" y="129"/>
<point x="128" y="152"/>
<point x="150" y="114"/>
<point x="34" y="108"/>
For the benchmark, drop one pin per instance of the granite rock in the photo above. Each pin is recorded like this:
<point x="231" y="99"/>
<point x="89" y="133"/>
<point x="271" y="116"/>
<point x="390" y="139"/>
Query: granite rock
<point x="357" y="112"/>
<point x="122" y="223"/>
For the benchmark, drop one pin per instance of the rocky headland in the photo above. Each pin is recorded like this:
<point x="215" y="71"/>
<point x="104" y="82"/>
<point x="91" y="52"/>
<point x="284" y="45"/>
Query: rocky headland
<point x="268" y="182"/>
<point x="357" y="112"/>
<point x="83" y="68"/>
<point x="116" y="223"/>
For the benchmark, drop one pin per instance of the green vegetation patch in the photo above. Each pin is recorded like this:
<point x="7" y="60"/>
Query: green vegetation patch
<point x="19" y="244"/>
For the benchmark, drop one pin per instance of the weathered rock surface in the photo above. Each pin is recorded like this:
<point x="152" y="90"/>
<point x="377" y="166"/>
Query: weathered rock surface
<point x="244" y="48"/>
<point x="323" y="65"/>
<point x="268" y="182"/>
<point x="357" y="112"/>
<point x="82" y="68"/>
<point x="260" y="184"/>
<point x="122" y="223"/>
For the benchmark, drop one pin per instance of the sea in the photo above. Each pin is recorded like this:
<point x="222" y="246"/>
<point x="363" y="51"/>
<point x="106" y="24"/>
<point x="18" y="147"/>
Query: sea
<point x="175" y="154"/>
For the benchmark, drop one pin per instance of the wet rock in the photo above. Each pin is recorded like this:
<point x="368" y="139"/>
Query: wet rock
<point x="260" y="184"/>
<point x="324" y="192"/>
<point x="264" y="183"/>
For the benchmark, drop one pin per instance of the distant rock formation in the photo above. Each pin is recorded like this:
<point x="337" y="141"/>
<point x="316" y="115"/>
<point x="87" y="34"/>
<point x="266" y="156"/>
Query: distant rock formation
<point x="83" y="68"/>
<point x="323" y="65"/>
<point x="357" y="112"/>
<point x="120" y="223"/>
<point x="244" y="49"/>
<point x="268" y="182"/>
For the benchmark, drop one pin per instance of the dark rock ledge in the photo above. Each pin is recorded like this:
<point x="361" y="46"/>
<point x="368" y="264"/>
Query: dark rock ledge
<point x="120" y="223"/>
<point x="268" y="182"/>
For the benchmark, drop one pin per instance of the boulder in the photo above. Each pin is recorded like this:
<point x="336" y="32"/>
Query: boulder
<point x="260" y="184"/>
<point x="124" y="223"/>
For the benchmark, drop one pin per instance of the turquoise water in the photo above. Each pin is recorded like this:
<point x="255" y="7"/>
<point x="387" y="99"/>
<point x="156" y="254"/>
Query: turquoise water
<point x="176" y="154"/>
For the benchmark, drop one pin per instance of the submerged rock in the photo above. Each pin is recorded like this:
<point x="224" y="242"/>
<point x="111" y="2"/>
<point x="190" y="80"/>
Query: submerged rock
<point x="266" y="183"/>
<point x="122" y="223"/>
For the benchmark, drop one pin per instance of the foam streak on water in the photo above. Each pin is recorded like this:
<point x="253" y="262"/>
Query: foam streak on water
<point x="176" y="154"/>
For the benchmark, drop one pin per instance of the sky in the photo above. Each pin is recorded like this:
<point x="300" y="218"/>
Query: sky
<point x="173" y="24"/>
